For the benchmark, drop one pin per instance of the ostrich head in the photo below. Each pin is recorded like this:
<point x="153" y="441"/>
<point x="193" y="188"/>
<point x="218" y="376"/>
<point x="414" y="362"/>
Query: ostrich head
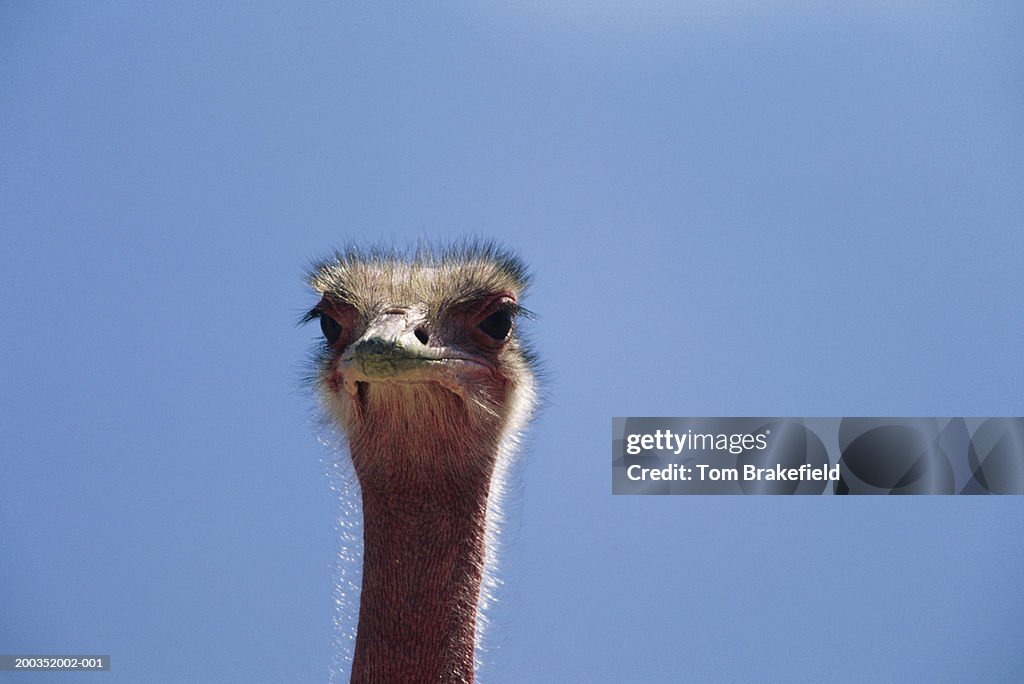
<point x="422" y="368"/>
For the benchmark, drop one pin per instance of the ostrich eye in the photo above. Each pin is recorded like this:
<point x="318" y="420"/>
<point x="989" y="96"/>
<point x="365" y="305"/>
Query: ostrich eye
<point x="498" y="324"/>
<point x="331" y="329"/>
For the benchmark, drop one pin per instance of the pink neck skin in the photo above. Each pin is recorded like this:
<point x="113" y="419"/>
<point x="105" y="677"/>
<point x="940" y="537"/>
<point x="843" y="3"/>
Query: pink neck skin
<point x="425" y="479"/>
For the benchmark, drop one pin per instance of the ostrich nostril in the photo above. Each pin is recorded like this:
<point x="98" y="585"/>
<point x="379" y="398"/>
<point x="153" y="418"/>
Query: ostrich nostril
<point x="421" y="335"/>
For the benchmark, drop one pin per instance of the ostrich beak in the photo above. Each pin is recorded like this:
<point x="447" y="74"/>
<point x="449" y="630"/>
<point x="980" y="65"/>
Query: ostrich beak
<point x="388" y="348"/>
<point x="390" y="352"/>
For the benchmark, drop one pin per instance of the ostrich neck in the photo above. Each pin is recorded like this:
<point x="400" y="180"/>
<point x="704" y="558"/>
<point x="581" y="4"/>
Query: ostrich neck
<point x="425" y="483"/>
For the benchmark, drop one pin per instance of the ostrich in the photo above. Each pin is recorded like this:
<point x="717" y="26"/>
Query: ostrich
<point x="423" y="371"/>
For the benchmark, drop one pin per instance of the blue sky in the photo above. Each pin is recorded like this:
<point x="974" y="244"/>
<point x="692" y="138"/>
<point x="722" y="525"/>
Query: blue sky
<point x="730" y="210"/>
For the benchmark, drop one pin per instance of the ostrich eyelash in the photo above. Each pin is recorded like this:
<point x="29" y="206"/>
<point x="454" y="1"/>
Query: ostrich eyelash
<point x="517" y="310"/>
<point x="310" y="315"/>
